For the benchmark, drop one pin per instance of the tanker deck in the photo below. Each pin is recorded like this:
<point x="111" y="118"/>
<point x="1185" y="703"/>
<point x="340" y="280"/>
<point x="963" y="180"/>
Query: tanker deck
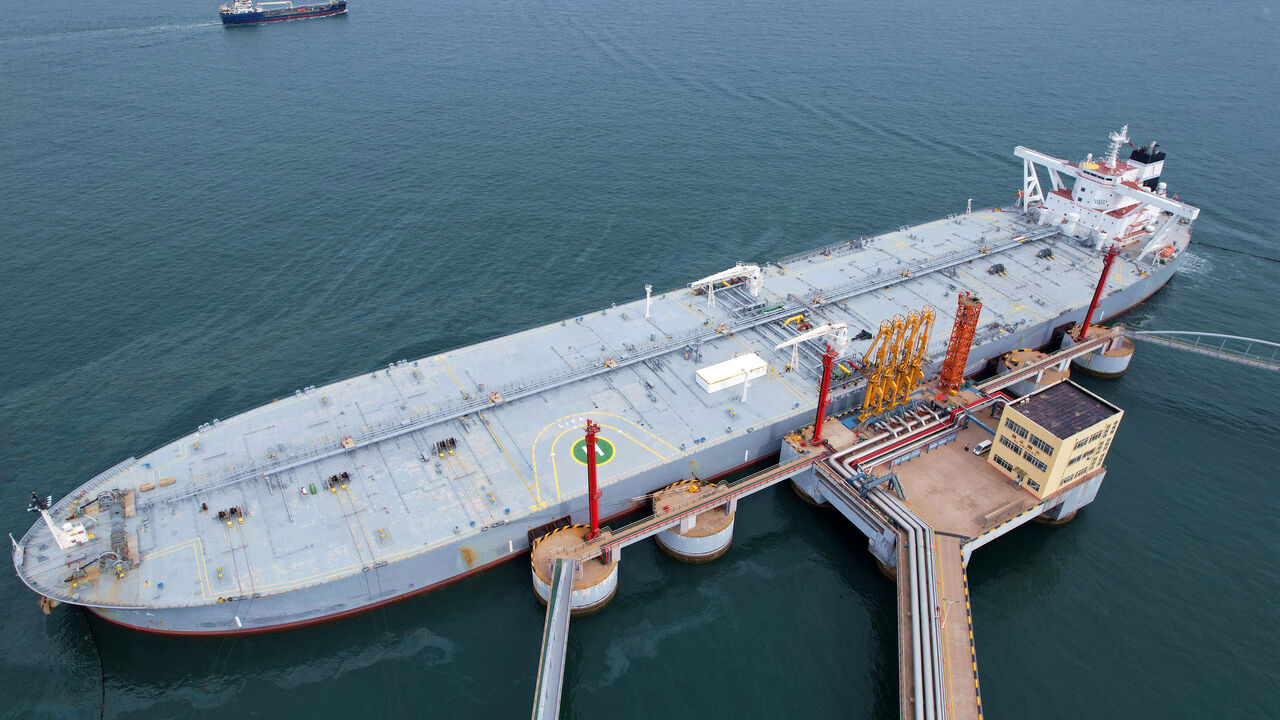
<point x="340" y="497"/>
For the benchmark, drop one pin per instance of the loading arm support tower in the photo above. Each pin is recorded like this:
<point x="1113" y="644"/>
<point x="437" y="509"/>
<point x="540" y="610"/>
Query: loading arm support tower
<point x="838" y="332"/>
<point x="753" y="274"/>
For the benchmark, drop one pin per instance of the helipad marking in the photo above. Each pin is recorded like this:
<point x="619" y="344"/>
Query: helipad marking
<point x="604" y="451"/>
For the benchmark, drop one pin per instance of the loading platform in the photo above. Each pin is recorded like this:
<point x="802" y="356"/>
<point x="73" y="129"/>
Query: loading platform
<point x="609" y="543"/>
<point x="922" y="521"/>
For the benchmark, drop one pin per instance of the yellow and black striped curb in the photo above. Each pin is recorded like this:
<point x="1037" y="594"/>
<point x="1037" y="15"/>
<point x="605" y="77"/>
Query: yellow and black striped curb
<point x="544" y="537"/>
<point x="973" y="649"/>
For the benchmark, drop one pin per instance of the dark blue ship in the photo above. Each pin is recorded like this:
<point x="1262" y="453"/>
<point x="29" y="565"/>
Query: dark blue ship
<point x="247" y="11"/>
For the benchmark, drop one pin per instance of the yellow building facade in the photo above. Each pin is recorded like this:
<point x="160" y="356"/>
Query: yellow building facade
<point x="1050" y="439"/>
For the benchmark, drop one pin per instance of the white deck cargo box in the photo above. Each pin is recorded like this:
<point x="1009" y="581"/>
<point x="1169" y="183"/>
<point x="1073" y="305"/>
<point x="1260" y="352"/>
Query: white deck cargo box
<point x="732" y="372"/>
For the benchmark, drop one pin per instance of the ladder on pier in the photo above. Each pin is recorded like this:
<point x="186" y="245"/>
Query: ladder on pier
<point x="555" y="640"/>
<point x="1232" y="348"/>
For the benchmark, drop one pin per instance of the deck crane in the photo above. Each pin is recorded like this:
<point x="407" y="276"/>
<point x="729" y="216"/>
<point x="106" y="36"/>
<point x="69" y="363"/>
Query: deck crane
<point x="753" y="274"/>
<point x="839" y="334"/>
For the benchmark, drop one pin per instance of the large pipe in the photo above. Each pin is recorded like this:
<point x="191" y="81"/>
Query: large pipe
<point x="924" y="646"/>
<point x="917" y="641"/>
<point x="925" y="642"/>
<point x="1107" y="259"/>
<point x="828" y="359"/>
<point x="593" y="495"/>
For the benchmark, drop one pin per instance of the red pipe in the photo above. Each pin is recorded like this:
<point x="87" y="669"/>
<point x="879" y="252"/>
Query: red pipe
<point x="593" y="495"/>
<point x="1107" y="259"/>
<point x="828" y="360"/>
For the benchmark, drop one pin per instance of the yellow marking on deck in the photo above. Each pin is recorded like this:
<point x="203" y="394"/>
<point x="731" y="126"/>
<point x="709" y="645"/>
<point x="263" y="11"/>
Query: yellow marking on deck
<point x="555" y="473"/>
<point x="197" y="549"/>
<point x="946" y="644"/>
<point x="295" y="583"/>
<point x="171" y="549"/>
<point x="204" y="573"/>
<point x="533" y="451"/>
<point x="182" y="455"/>
<point x="781" y="376"/>
<point x="440" y="359"/>
<point x="1012" y="304"/>
<point x="536" y="495"/>
<point x="646" y="447"/>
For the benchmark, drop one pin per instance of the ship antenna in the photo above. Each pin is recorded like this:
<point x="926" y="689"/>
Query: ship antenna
<point x="1117" y="139"/>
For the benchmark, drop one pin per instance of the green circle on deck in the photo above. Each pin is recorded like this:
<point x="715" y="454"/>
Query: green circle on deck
<point x="604" y="451"/>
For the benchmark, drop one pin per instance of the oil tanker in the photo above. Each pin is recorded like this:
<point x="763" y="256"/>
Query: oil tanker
<point x="345" y="496"/>
<point x="248" y="12"/>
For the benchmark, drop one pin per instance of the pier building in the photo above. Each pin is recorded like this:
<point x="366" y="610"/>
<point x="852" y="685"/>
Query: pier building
<point x="1053" y="438"/>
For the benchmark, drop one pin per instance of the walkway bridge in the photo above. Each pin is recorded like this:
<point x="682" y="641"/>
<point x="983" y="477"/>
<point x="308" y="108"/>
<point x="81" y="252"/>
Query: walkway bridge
<point x="1232" y="348"/>
<point x="555" y="641"/>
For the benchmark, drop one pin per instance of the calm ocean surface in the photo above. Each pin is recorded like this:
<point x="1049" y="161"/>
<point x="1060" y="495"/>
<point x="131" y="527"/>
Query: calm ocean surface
<point x="194" y="220"/>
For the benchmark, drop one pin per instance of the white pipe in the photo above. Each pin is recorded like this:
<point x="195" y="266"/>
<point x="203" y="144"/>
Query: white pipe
<point x="923" y="650"/>
<point x="917" y="641"/>
<point x="923" y="690"/>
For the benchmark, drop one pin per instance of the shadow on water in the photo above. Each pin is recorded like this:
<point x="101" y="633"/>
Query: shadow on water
<point x="472" y="646"/>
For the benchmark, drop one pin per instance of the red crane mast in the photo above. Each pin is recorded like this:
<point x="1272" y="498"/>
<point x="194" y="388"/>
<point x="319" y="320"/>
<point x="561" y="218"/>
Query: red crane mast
<point x="593" y="494"/>
<point x="968" y="308"/>
<point x="1107" y="260"/>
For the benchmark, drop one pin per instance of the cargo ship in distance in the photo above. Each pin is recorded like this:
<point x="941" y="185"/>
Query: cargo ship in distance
<point x="247" y="12"/>
<point x="342" y="497"/>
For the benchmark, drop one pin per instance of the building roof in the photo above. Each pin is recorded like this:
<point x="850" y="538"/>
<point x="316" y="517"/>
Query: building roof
<point x="1065" y="409"/>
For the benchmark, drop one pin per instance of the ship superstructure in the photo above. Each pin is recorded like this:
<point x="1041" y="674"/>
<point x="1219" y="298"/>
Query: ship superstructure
<point x="343" y="496"/>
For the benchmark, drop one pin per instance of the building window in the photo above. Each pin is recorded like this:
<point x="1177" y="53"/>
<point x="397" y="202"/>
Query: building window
<point x="1045" y="447"/>
<point x="1080" y="457"/>
<point x="1004" y="440"/>
<point x="1015" y="427"/>
<point x="1095" y="436"/>
<point x="1033" y="485"/>
<point x="1002" y="462"/>
<point x="1034" y="461"/>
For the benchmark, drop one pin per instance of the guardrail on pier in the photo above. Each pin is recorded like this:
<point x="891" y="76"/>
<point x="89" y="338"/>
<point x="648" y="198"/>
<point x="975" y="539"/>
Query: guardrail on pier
<point x="1232" y="348"/>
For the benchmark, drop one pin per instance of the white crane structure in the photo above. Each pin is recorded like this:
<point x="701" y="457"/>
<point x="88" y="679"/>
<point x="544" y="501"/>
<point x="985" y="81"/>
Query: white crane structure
<point x="838" y="332"/>
<point x="67" y="536"/>
<point x="1112" y="199"/>
<point x="753" y="274"/>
